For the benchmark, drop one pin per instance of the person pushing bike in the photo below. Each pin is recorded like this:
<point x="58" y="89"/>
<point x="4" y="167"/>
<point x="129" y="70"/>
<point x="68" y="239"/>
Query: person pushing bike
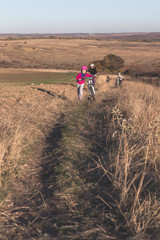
<point x="119" y="79"/>
<point x="81" y="81"/>
<point x="93" y="71"/>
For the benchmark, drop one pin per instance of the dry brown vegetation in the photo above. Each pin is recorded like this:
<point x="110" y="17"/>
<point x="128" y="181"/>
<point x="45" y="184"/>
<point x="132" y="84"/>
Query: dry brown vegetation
<point x="25" y="112"/>
<point x="112" y="172"/>
<point x="72" y="170"/>
<point x="72" y="53"/>
<point x="103" y="167"/>
<point x="133" y="149"/>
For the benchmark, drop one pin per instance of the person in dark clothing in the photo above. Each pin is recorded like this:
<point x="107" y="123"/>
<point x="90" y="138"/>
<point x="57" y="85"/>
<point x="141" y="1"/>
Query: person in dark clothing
<point x="93" y="71"/>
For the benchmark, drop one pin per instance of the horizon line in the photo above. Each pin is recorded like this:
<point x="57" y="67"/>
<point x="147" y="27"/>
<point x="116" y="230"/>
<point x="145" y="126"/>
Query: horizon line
<point x="83" y="33"/>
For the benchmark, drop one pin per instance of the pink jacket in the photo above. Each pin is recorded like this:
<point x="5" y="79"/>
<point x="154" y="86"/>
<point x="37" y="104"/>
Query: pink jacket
<point x="79" y="77"/>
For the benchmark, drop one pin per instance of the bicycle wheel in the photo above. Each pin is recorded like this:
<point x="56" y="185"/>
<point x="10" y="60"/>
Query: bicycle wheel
<point x="93" y="92"/>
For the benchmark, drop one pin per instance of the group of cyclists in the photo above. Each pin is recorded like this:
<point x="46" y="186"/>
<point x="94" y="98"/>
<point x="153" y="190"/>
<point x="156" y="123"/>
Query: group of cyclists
<point x="90" y="73"/>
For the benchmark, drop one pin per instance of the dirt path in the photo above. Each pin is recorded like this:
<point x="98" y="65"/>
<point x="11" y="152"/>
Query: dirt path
<point x="31" y="211"/>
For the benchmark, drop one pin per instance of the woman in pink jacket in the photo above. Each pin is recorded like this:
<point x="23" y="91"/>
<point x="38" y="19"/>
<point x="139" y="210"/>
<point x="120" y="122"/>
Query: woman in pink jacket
<point x="81" y="81"/>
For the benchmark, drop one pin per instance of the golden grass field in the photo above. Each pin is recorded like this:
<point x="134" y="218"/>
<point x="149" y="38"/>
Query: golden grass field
<point x="71" y="170"/>
<point x="72" y="53"/>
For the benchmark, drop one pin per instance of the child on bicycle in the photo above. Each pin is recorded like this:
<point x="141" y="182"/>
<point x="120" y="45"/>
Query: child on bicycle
<point x="81" y="81"/>
<point x="119" y="79"/>
<point x="93" y="71"/>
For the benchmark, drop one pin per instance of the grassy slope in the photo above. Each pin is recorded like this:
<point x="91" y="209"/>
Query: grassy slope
<point x="25" y="112"/>
<point x="108" y="172"/>
<point x="105" y="169"/>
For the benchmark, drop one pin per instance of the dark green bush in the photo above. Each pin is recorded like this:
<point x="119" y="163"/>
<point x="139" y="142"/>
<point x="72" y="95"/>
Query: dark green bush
<point x="110" y="63"/>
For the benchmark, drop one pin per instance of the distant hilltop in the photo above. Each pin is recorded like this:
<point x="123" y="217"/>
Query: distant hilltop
<point x="108" y="36"/>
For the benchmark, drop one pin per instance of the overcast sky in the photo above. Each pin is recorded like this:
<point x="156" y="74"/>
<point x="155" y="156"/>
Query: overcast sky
<point x="74" y="16"/>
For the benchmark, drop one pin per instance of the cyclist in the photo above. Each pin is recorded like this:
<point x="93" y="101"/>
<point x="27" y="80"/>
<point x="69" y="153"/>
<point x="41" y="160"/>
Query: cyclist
<point x="119" y="79"/>
<point x="93" y="71"/>
<point x="81" y="81"/>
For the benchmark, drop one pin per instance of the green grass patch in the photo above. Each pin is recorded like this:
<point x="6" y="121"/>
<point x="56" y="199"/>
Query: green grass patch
<point x="28" y="78"/>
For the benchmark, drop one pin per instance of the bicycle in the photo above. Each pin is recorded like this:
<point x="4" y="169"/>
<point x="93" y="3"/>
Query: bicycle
<point x="118" y="81"/>
<point x="91" y="88"/>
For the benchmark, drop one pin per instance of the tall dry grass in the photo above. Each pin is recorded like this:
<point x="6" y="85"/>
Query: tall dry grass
<point x="133" y="165"/>
<point x="18" y="138"/>
<point x="27" y="116"/>
<point x="110" y="164"/>
<point x="13" y="136"/>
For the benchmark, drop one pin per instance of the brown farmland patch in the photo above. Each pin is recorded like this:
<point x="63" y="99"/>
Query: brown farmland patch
<point x="72" y="53"/>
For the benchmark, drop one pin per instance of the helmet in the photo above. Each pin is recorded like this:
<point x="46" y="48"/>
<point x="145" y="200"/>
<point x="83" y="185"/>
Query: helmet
<point x="92" y="65"/>
<point x="84" y="67"/>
